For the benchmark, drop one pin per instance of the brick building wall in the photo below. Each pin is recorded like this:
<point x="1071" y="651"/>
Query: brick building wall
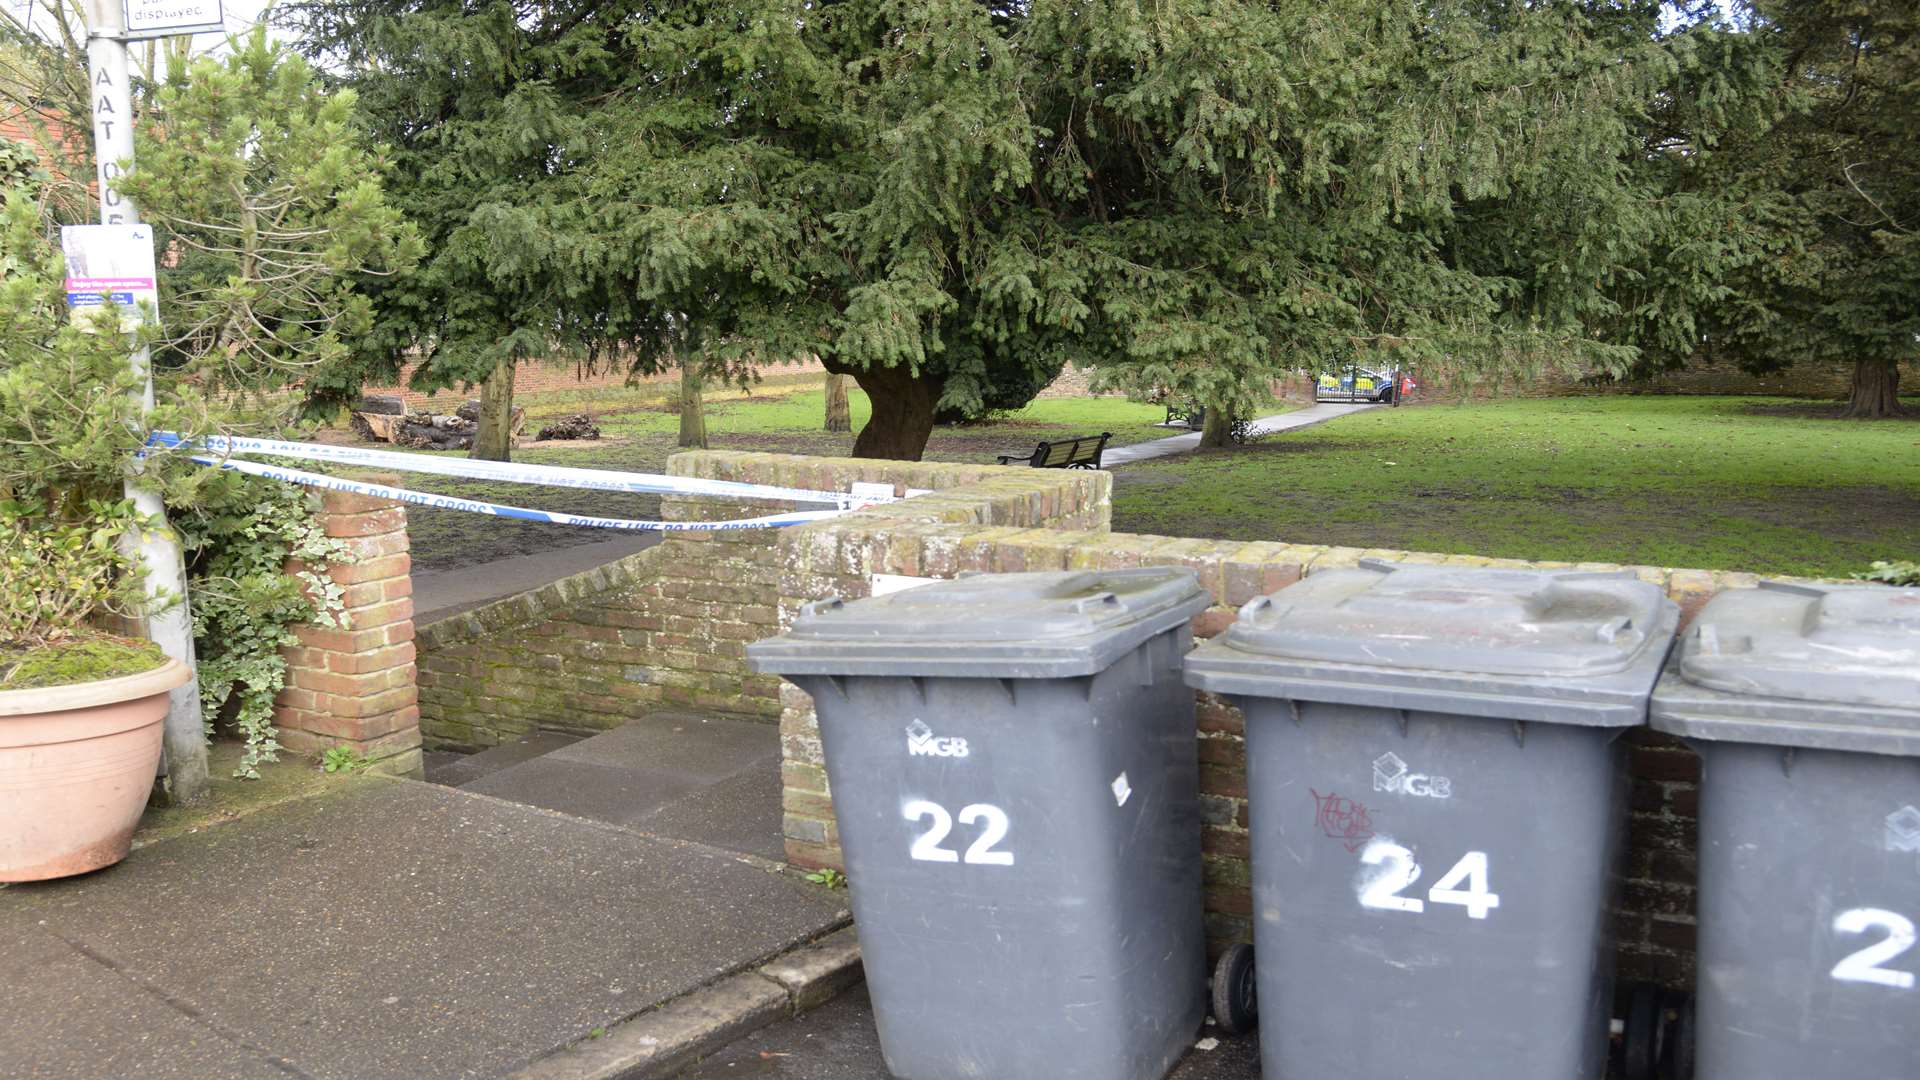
<point x="20" y="126"/>
<point x="354" y="686"/>
<point x="539" y="377"/>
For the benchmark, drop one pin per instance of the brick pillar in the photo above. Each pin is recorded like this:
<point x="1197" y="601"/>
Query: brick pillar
<point x="355" y="687"/>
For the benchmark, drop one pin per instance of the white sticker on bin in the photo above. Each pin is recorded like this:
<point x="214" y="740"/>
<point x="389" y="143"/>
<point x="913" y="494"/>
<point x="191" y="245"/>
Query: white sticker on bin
<point x="884" y="584"/>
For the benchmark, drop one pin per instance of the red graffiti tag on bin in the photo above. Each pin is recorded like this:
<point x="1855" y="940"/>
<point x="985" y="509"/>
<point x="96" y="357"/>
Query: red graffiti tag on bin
<point x="1343" y="819"/>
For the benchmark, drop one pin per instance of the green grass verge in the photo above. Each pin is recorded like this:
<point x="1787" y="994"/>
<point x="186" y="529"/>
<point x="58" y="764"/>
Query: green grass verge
<point x="1764" y="485"/>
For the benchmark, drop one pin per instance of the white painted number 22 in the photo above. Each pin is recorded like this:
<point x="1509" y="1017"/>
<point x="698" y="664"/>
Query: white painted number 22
<point x="1398" y="871"/>
<point x="926" y="847"/>
<point x="1864" y="966"/>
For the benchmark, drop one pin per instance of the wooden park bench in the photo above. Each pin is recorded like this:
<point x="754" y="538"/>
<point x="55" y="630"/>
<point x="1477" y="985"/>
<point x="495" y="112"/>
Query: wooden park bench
<point x="1080" y="452"/>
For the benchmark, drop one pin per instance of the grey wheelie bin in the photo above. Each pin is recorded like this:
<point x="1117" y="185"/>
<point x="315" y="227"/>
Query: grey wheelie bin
<point x="1435" y="797"/>
<point x="1013" y="763"/>
<point x="1804" y="703"/>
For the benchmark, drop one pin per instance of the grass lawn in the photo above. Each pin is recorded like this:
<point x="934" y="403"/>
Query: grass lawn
<point x="782" y="414"/>
<point x="1764" y="485"/>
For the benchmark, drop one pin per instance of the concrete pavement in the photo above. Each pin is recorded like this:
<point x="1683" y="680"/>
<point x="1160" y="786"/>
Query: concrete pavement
<point x="683" y="776"/>
<point x="1266" y="425"/>
<point x="392" y="928"/>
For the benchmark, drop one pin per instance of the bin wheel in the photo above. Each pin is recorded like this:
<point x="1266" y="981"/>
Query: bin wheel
<point x="1640" y="1042"/>
<point x="1677" y="1063"/>
<point x="1235" y="1010"/>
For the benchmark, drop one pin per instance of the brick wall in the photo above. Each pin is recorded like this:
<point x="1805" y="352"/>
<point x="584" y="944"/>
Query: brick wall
<point x="668" y="627"/>
<point x="973" y="528"/>
<point x="1073" y="381"/>
<point x="354" y="686"/>
<point x="20" y="126"/>
<point x="538" y="377"/>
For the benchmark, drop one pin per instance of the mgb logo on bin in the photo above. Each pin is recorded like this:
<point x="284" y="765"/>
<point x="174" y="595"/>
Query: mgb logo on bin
<point x="1391" y="774"/>
<point x="922" y="742"/>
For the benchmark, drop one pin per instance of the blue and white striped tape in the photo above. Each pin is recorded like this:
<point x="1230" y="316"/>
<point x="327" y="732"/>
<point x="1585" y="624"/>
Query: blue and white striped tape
<point x="542" y="475"/>
<point x="515" y="472"/>
<point x="476" y="506"/>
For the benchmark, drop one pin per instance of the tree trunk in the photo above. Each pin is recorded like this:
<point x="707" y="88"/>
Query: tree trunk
<point x="693" y="407"/>
<point x="839" y="414"/>
<point x="1217" y="429"/>
<point x="493" y="435"/>
<point x="902" y="414"/>
<point x="1876" y="390"/>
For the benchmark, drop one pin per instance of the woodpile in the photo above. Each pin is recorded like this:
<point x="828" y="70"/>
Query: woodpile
<point x="577" y="426"/>
<point x="384" y="418"/>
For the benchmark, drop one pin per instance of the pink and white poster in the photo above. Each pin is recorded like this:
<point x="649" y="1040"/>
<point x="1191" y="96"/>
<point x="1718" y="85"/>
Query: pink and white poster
<point x="110" y="263"/>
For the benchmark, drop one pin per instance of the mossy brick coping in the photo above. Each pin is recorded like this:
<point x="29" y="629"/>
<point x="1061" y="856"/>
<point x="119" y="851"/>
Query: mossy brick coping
<point x="89" y="656"/>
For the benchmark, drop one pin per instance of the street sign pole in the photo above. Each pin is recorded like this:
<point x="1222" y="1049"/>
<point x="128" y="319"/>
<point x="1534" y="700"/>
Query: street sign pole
<point x="185" y="761"/>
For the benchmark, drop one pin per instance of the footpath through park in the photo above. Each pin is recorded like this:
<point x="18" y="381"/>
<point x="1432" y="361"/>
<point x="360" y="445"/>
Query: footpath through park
<point x="1318" y="413"/>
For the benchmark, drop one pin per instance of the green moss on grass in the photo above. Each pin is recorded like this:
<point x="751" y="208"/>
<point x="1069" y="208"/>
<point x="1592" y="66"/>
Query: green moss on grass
<point x="87" y="658"/>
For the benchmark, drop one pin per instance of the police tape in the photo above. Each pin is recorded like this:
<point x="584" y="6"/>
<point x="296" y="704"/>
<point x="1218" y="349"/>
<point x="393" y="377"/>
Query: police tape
<point x="453" y="502"/>
<point x="517" y="473"/>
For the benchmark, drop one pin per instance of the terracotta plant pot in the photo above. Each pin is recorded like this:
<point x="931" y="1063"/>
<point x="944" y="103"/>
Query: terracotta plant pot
<point x="76" y="766"/>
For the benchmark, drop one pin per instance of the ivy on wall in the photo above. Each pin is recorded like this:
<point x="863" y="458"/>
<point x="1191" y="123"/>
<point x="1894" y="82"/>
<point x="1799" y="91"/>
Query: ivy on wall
<point x="246" y="604"/>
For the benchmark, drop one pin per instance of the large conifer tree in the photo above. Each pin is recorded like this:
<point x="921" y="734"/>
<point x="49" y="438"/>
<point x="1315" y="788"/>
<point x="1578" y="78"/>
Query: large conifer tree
<point x="486" y="107"/>
<point x="949" y="199"/>
<point x="1836" y="184"/>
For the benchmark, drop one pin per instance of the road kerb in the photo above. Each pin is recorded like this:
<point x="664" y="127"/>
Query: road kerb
<point x="662" y="1042"/>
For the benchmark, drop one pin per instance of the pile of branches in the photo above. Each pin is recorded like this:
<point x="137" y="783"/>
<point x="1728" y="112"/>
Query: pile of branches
<point x="429" y="432"/>
<point x="577" y="426"/>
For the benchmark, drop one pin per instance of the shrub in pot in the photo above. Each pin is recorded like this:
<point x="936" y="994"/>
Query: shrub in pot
<point x="80" y="708"/>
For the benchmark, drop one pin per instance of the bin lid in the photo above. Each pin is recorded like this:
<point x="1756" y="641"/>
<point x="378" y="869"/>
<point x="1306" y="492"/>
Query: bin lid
<point x="1818" y="666"/>
<point x="1509" y="622"/>
<point x="1465" y="639"/>
<point x="1030" y="625"/>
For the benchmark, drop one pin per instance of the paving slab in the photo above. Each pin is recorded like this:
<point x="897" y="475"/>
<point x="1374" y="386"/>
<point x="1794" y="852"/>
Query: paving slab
<point x="393" y="929"/>
<point x="617" y="795"/>
<point x="837" y="1042"/>
<point x="741" y="813"/>
<point x="704" y="748"/>
<point x="454" y="770"/>
<point x="64" y="1014"/>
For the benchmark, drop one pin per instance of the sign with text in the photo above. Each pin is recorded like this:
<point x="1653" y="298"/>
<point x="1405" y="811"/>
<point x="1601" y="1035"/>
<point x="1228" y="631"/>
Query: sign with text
<point x="110" y="263"/>
<point x="163" y="18"/>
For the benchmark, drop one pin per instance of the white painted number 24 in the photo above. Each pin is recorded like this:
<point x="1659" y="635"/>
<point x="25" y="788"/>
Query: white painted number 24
<point x="1864" y="966"/>
<point x="926" y="847"/>
<point x="1398" y="870"/>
